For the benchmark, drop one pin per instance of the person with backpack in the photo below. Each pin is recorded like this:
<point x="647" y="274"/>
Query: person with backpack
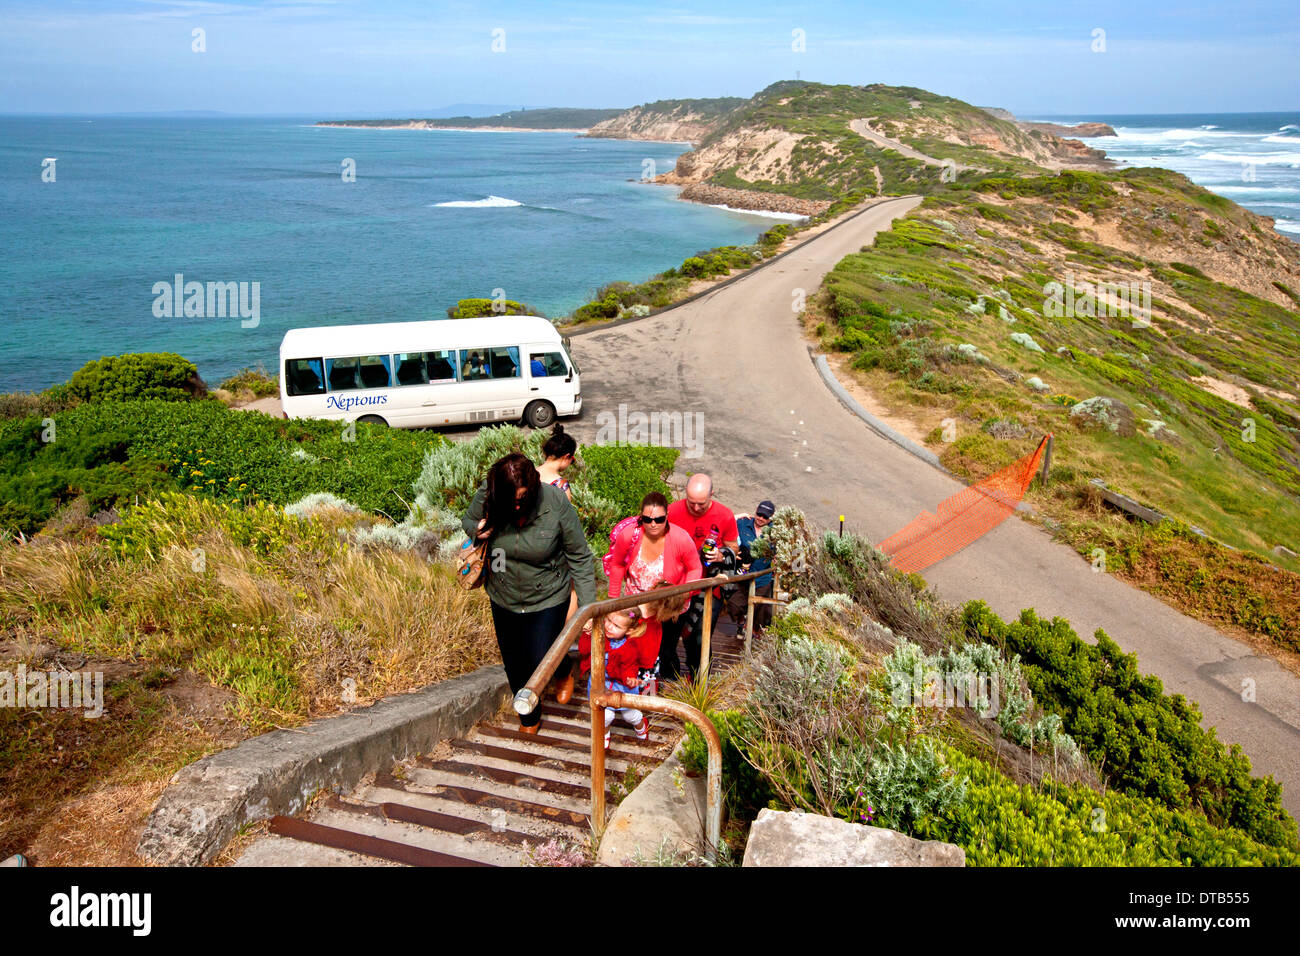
<point x="711" y="526"/>
<point x="536" y="554"/>
<point x="751" y="529"/>
<point x="647" y="552"/>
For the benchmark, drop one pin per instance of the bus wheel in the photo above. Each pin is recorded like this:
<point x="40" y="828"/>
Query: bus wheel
<point x="540" y="415"/>
<point x="372" y="420"/>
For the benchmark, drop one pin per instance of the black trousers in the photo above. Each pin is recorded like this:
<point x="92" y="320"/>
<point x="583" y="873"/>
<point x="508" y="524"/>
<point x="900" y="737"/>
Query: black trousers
<point x="669" y="668"/>
<point x="524" y="640"/>
<point x="737" y="599"/>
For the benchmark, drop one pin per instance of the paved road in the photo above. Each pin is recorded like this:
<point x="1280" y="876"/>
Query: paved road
<point x="860" y="127"/>
<point x="738" y="359"/>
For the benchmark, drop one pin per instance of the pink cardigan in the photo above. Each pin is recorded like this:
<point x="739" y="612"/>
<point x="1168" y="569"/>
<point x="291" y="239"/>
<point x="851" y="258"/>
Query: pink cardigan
<point x="681" y="560"/>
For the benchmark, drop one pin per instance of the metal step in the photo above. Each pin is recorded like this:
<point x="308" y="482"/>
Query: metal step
<point x="484" y="799"/>
<point x="535" y="819"/>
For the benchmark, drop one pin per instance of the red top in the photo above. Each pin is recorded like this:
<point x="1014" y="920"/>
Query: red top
<point x="718" y="521"/>
<point x="623" y="662"/>
<point x="681" y="560"/>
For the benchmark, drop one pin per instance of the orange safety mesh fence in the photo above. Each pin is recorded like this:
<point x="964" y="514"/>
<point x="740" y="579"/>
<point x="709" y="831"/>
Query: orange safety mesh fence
<point x="965" y="516"/>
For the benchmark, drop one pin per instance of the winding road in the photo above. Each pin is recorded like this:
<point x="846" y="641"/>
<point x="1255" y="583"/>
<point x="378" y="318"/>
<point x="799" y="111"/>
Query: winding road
<point x="772" y="429"/>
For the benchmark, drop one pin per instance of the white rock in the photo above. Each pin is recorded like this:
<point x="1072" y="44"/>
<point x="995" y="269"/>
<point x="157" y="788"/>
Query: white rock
<point x="778" y="838"/>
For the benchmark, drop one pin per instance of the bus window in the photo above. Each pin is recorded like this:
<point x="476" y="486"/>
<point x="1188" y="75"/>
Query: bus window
<point x="422" y="368"/>
<point x="547" y="363"/>
<point x="342" y="373"/>
<point x="441" y="365"/>
<point x="375" y="371"/>
<point x="304" y="377"/>
<point x="410" y="368"/>
<point x="489" y="363"/>
<point x="360" y="371"/>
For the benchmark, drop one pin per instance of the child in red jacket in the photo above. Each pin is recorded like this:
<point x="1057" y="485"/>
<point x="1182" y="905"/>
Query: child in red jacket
<point x="631" y="652"/>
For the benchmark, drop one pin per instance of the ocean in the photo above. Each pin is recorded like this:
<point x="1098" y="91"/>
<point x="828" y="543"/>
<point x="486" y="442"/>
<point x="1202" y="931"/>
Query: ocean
<point x="1251" y="158"/>
<point x="431" y="217"/>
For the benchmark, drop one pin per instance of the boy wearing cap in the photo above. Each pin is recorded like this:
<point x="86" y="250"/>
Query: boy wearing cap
<point x="751" y="529"/>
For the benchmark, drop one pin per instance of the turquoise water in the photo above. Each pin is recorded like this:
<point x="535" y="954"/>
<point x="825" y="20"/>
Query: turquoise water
<point x="136" y="201"/>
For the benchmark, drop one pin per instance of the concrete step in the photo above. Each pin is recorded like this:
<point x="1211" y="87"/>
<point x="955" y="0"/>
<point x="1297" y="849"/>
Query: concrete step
<point x="544" y="748"/>
<point x="482" y="799"/>
<point x="514" y="818"/>
<point x="488" y="849"/>
<point x="429" y="779"/>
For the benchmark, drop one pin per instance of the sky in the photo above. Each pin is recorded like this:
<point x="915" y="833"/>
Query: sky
<point x="332" y="59"/>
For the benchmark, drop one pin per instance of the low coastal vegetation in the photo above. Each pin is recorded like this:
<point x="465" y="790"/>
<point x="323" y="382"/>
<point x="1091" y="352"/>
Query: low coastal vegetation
<point x="228" y="572"/>
<point x="479" y="308"/>
<point x="1064" y="754"/>
<point x="959" y="318"/>
<point x="627" y="300"/>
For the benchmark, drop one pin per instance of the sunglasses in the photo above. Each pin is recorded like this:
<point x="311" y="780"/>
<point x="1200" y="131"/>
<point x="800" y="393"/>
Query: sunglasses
<point x="645" y="519"/>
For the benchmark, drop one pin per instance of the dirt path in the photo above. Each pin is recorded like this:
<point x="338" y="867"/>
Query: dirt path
<point x="860" y="127"/>
<point x="771" y="429"/>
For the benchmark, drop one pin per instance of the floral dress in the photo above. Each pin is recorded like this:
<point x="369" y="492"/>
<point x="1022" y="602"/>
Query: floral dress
<point x="643" y="576"/>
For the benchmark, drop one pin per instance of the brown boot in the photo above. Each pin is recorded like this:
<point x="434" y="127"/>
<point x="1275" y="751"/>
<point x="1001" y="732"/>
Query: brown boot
<point x="564" y="690"/>
<point x="530" y="729"/>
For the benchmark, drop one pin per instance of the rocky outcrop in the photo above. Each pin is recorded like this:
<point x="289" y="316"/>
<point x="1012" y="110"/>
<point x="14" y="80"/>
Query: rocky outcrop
<point x="664" y="814"/>
<point x="752" y="199"/>
<point x="778" y="838"/>
<point x="1087" y="130"/>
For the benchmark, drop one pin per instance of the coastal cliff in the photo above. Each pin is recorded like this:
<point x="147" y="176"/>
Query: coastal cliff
<point x="670" y="121"/>
<point x="808" y="141"/>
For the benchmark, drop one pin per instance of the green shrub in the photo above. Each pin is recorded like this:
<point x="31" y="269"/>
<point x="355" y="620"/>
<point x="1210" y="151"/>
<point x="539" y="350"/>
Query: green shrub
<point x="608" y="484"/>
<point x="1146" y="742"/>
<point x="747" y="791"/>
<point x="695" y="267"/>
<point x="1002" y="823"/>
<point x="996" y="682"/>
<point x="252" y="380"/>
<point x="140" y="375"/>
<point x="907" y="783"/>
<point x="481" y="308"/>
<point x="173" y="520"/>
<point x="114" y="452"/>
<point x="624" y="474"/>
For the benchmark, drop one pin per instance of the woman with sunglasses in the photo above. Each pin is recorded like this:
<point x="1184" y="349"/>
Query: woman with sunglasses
<point x="652" y="553"/>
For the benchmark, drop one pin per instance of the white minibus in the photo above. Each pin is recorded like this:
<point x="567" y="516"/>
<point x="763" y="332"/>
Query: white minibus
<point x="442" y="372"/>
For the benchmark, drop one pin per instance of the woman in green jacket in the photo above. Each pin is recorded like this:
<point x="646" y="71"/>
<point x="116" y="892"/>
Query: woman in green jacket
<point x="536" y="554"/>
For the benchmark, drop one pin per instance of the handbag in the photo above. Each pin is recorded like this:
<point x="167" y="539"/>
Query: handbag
<point x="472" y="565"/>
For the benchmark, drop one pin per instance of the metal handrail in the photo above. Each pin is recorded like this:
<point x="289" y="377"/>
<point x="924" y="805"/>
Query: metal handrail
<point x="529" y="697"/>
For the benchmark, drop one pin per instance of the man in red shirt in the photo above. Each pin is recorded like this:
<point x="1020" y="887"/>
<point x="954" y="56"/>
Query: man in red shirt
<point x="712" y="525"/>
